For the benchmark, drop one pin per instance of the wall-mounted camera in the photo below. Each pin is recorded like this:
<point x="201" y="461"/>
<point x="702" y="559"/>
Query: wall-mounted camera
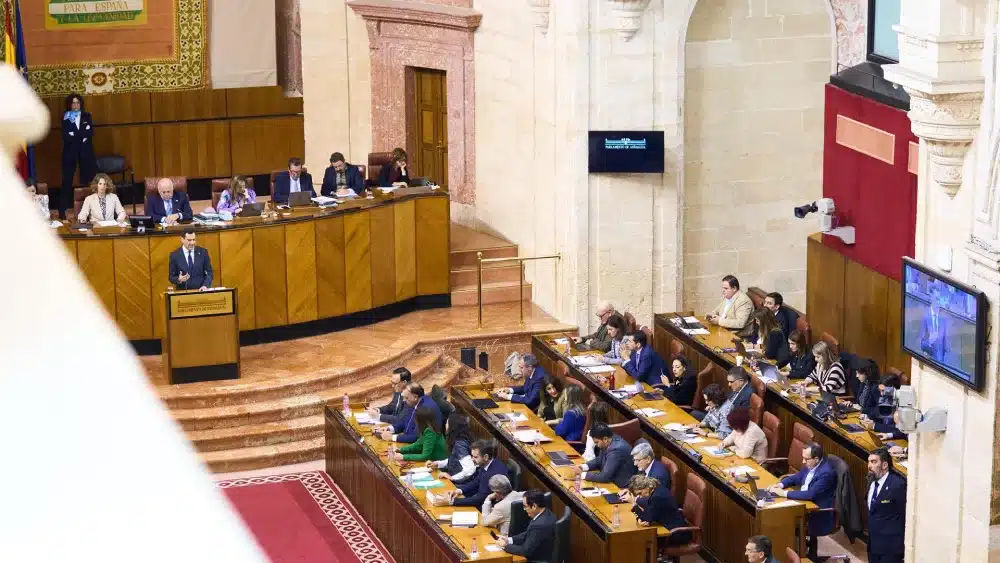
<point x="828" y="221"/>
<point x="911" y="420"/>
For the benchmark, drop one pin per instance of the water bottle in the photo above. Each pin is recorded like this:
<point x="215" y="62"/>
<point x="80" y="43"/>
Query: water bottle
<point x="616" y="517"/>
<point x="578" y="482"/>
<point x="347" y="404"/>
<point x="474" y="553"/>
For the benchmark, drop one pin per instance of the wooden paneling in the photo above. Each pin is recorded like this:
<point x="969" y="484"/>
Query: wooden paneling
<point x="187" y="105"/>
<point x="210" y="242"/>
<point x="383" y="242"/>
<point x="894" y="355"/>
<point x="70" y="246"/>
<point x="269" y="276"/>
<point x="97" y="260"/>
<point x="429" y="123"/>
<point x="48" y="161"/>
<point x="235" y="270"/>
<point x="300" y="264"/>
<point x="405" y="251"/>
<point x="264" y="144"/>
<point x="269" y="100"/>
<point x="133" y="288"/>
<point x="433" y="221"/>
<point x="159" y="274"/>
<point x="136" y="141"/>
<point x="864" y="312"/>
<point x="119" y="109"/>
<point x="357" y="261"/>
<point x="824" y="289"/>
<point x="203" y="341"/>
<point x="195" y="150"/>
<point x="330" y="279"/>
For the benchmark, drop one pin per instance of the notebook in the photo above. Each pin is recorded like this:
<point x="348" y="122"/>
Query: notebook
<point x="613" y="498"/>
<point x="559" y="459"/>
<point x="484" y="404"/>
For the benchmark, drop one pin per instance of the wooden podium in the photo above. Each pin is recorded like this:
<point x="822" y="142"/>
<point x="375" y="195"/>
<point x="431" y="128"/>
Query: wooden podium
<point x="202" y="338"/>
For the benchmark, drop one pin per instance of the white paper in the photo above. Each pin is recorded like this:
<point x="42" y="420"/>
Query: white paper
<point x="465" y="519"/>
<point x="110" y="223"/>
<point x="651" y="412"/>
<point x="598" y="369"/>
<point x="388" y="190"/>
<point x="561" y="341"/>
<point x="695" y="440"/>
<point x="675" y="426"/>
<point x="419" y="473"/>
<point x="714" y="451"/>
<point x="697" y="331"/>
<point x="323" y="200"/>
<point x="587" y="360"/>
<point x="741" y="470"/>
<point x="594" y="493"/>
<point x="516" y="417"/>
<point x="363" y="418"/>
<point x="528" y="436"/>
<point x="493" y="547"/>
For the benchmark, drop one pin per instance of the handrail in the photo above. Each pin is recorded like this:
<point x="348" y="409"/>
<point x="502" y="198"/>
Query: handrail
<point x="520" y="272"/>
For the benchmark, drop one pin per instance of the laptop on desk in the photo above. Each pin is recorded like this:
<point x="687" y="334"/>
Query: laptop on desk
<point x="300" y="199"/>
<point x="251" y="210"/>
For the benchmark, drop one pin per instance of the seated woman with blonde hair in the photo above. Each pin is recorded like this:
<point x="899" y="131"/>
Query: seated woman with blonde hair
<point x="237" y="195"/>
<point x="103" y="204"/>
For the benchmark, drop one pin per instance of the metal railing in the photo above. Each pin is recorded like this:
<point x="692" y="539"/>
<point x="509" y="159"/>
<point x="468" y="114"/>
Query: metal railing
<point x="520" y="285"/>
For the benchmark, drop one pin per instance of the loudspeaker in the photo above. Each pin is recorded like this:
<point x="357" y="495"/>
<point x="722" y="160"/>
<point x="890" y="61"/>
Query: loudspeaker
<point x="484" y="361"/>
<point x="469" y="357"/>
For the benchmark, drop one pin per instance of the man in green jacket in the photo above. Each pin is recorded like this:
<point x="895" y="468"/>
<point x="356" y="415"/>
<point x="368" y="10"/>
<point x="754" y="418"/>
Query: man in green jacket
<point x="600" y="339"/>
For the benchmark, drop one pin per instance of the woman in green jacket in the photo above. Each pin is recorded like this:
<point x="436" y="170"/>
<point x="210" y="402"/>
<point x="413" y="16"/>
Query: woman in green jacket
<point x="431" y="445"/>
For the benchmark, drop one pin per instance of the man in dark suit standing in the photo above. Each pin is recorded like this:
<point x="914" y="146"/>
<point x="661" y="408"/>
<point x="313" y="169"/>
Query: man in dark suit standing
<point x="536" y="542"/>
<point x="167" y="205"/>
<point x="476" y="489"/>
<point x="293" y="181"/>
<point x="390" y="412"/>
<point x="190" y="265"/>
<point x="643" y="364"/>
<point x="817" y="482"/>
<point x="934" y="329"/>
<point x="341" y="176"/>
<point x="886" y="499"/>
<point x="613" y="464"/>
<point x="529" y="394"/>
<point x="787" y="318"/>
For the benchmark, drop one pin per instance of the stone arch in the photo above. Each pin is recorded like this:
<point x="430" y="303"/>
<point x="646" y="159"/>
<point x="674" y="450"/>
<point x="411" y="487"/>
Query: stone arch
<point x="754" y="73"/>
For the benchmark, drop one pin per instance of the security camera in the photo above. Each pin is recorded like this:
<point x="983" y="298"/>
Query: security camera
<point x="828" y="221"/>
<point x="912" y="420"/>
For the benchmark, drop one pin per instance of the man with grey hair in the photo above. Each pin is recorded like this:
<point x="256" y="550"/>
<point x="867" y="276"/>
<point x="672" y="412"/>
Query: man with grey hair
<point x="599" y="339"/>
<point x="168" y="206"/>
<point x="530" y="393"/>
<point x="496" y="507"/>
<point x="647" y="464"/>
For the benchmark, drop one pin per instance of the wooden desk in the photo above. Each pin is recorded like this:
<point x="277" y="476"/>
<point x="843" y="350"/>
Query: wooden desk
<point x="852" y="448"/>
<point x="732" y="514"/>
<point x="400" y="516"/>
<point x="310" y="265"/>
<point x="592" y="536"/>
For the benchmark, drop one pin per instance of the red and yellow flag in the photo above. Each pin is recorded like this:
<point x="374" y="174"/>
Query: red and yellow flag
<point x="13" y="52"/>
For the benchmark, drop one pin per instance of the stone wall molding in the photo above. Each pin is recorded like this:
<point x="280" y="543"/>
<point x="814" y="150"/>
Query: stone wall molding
<point x="947" y="123"/>
<point x="540" y="9"/>
<point x="432" y="15"/>
<point x="628" y="16"/>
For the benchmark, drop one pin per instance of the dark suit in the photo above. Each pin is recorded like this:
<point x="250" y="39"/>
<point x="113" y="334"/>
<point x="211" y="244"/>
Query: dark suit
<point x="786" y="320"/>
<point x="938" y="349"/>
<point x="536" y="542"/>
<point x="385" y="179"/>
<point x="530" y="393"/>
<point x="179" y="202"/>
<point x="353" y="179"/>
<point x="78" y="146"/>
<point x="283" y="186"/>
<point x="390" y="411"/>
<point x="741" y="398"/>
<point x="645" y="365"/>
<point x="887" y="521"/>
<point x="410" y="432"/>
<point x="661" y="508"/>
<point x="613" y="464"/>
<point x="777" y="348"/>
<point x="659" y="472"/>
<point x="822" y="491"/>
<point x="682" y="391"/>
<point x="476" y="489"/>
<point x="801" y="366"/>
<point x="200" y="270"/>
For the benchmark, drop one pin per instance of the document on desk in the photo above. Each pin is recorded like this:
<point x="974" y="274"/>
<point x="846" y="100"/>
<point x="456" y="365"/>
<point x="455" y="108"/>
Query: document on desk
<point x="363" y="418"/>
<point x="515" y="417"/>
<point x="493" y="547"/>
<point x="529" y="436"/>
<point x="111" y="223"/>
<point x="560" y="341"/>
<point x="590" y="493"/>
<point x="695" y="440"/>
<point x="589" y="360"/>
<point x="323" y="200"/>
<point x="55" y="224"/>
<point x="675" y="427"/>
<point x="418" y="473"/>
<point x="741" y="470"/>
<point x="650" y="412"/>
<point x="432" y="484"/>
<point x="469" y="519"/>
<point x="598" y="369"/>
<point x="716" y="451"/>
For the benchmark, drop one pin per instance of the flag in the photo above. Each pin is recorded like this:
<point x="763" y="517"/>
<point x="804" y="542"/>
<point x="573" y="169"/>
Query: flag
<point x="15" y="57"/>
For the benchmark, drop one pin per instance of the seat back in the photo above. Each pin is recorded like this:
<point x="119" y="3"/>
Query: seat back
<point x="80" y="194"/>
<point x="630" y="324"/>
<point x="904" y="378"/>
<point x="756" y="408"/>
<point x="111" y="164"/>
<point x="41" y="188"/>
<point x="514" y="474"/>
<point x="629" y="431"/>
<point x="792" y="556"/>
<point x="832" y="342"/>
<point x="561" y="370"/>
<point x="694" y="500"/>
<point x="220" y="185"/>
<point x="802" y="324"/>
<point x="648" y="332"/>
<point x="756" y="295"/>
<point x="758" y="385"/>
<point x="676" y="348"/>
<point x="672" y="470"/>
<point x="180" y="184"/>
<point x="519" y="519"/>
<point x="586" y="422"/>
<point x="376" y="160"/>
<point x="771" y="425"/>
<point x="801" y="435"/>
<point x="560" y="547"/>
<point x="704" y="380"/>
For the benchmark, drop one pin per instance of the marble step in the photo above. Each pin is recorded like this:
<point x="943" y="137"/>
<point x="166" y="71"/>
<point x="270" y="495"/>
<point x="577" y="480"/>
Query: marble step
<point x="223" y="393"/>
<point x="252" y="436"/>
<point x="499" y="292"/>
<point x="259" y="457"/>
<point x="492" y="273"/>
<point x="466" y="258"/>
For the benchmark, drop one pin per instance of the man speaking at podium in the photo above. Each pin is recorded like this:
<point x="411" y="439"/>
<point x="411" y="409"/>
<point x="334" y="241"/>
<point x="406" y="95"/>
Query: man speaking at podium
<point x="190" y="265"/>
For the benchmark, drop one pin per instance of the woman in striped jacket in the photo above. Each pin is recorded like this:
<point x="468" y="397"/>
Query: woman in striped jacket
<point x="829" y="372"/>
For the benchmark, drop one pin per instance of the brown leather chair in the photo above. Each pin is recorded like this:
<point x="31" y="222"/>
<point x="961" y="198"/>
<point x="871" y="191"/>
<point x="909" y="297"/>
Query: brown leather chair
<point x="771" y="425"/>
<point x="676" y="348"/>
<point x="41" y="188"/>
<point x="756" y="408"/>
<point x="561" y="371"/>
<point x="649" y="334"/>
<point x="180" y="184"/>
<point x="792" y="556"/>
<point x="756" y="295"/>
<point x="629" y="431"/>
<point x="704" y="380"/>
<point x="832" y="342"/>
<point x="220" y="185"/>
<point x="630" y="324"/>
<point x="672" y="470"/>
<point x="904" y="378"/>
<point x="582" y="444"/>
<point x="80" y="194"/>
<point x="759" y="387"/>
<point x="376" y="160"/>
<point x="694" y="513"/>
<point x="802" y="324"/>
<point x="801" y="435"/>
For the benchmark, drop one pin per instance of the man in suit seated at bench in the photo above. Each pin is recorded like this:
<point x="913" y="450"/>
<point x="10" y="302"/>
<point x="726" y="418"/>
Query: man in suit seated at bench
<point x="295" y="180"/>
<point x="613" y="464"/>
<point x="474" y="491"/>
<point x="536" y="542"/>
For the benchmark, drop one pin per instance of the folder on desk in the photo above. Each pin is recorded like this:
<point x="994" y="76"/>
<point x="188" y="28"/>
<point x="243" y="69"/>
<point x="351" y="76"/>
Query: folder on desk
<point x="484" y="404"/>
<point x="613" y="498"/>
<point x="559" y="459"/>
<point x="465" y="519"/>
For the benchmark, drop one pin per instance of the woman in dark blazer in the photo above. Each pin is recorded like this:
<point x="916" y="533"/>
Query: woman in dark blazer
<point x="681" y="383"/>
<point x="771" y="340"/>
<point x="78" y="147"/>
<point x="396" y="171"/>
<point x="800" y="358"/>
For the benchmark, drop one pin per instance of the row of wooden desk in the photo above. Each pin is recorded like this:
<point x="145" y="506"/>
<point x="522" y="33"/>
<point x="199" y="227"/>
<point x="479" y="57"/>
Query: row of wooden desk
<point x="711" y="348"/>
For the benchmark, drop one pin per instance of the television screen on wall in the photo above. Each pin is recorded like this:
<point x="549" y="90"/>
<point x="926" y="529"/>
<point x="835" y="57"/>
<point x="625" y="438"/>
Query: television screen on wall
<point x="638" y="152"/>
<point x="944" y="323"/>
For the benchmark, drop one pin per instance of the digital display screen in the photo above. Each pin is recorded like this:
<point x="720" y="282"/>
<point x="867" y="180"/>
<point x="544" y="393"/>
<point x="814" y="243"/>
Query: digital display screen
<point x="626" y="152"/>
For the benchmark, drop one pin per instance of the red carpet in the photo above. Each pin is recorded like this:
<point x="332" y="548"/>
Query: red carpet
<point x="304" y="517"/>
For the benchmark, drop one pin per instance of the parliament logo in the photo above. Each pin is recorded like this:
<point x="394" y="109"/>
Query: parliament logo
<point x="63" y="14"/>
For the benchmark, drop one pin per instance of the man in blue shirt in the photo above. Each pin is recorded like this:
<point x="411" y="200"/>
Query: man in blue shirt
<point x="530" y="393"/>
<point x="404" y="429"/>
<point x="817" y="482"/>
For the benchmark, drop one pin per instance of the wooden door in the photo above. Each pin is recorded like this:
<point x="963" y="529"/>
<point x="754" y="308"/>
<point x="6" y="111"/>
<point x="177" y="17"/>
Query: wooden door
<point x="430" y="125"/>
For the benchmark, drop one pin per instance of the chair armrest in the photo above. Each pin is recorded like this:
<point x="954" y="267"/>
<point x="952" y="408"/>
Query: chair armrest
<point x="686" y="408"/>
<point x="775" y="459"/>
<point x="578" y="446"/>
<point x="695" y="532"/>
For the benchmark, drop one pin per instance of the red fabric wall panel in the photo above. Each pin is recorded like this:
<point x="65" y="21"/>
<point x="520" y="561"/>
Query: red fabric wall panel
<point x="877" y="198"/>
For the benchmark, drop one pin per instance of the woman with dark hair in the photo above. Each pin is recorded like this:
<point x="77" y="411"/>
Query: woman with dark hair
<point x="682" y="382"/>
<point x="396" y="171"/>
<point x="747" y="439"/>
<point x="431" y="445"/>
<point x="801" y="362"/>
<point x="440" y="398"/>
<point x="616" y="330"/>
<point x="770" y="339"/>
<point x="716" y="421"/>
<point x="553" y="403"/>
<point x="459" y="465"/>
<point x="78" y="147"/>
<point x="868" y="389"/>
<point x="599" y="413"/>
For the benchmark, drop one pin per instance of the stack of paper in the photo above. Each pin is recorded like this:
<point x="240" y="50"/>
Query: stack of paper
<point x="589" y="493"/>
<point x="741" y="470"/>
<point x="429" y="484"/>
<point x="598" y="369"/>
<point x="675" y="427"/>
<point x="529" y="436"/>
<point x="588" y="360"/>
<point x="561" y="341"/>
<point x="493" y="547"/>
<point x="323" y="200"/>
<point x="695" y="440"/>
<point x="515" y="417"/>
<point x="363" y="418"/>
<point x="465" y="519"/>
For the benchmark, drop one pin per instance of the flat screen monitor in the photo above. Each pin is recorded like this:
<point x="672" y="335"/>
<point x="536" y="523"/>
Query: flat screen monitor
<point x="626" y="152"/>
<point x="944" y="323"/>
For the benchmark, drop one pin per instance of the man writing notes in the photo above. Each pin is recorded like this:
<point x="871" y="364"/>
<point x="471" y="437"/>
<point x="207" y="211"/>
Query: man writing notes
<point x="599" y="340"/>
<point x="190" y="265"/>
<point x="168" y="206"/>
<point x="736" y="307"/>
<point x="293" y="181"/>
<point x="341" y="179"/>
